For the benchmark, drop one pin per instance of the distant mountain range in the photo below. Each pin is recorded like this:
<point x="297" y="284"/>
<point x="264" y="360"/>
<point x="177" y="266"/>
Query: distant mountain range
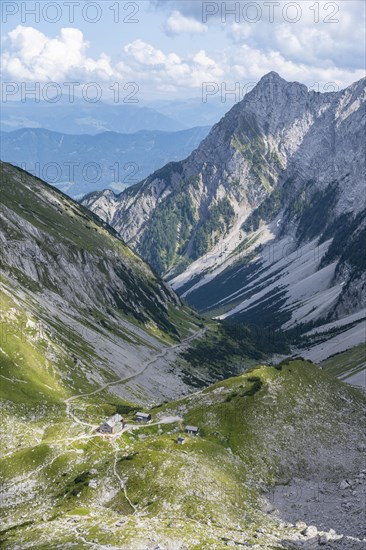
<point x="79" y="164"/>
<point x="196" y="111"/>
<point x="83" y="117"/>
<point x="264" y="222"/>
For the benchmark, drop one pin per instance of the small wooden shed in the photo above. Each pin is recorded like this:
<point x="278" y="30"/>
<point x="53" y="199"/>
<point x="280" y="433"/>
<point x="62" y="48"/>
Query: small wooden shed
<point x="142" y="417"/>
<point x="191" y="430"/>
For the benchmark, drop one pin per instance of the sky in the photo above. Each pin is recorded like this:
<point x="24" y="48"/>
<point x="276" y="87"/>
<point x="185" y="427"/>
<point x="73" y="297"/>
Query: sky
<point x="177" y="49"/>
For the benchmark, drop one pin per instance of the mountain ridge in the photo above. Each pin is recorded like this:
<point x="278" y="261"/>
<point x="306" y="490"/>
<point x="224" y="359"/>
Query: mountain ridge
<point x="283" y="169"/>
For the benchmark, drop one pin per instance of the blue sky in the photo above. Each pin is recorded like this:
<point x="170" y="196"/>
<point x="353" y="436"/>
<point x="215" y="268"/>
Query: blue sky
<point x="176" y="45"/>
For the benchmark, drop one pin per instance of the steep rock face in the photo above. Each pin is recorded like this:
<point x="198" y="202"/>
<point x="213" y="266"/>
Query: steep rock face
<point x="278" y="131"/>
<point x="263" y="223"/>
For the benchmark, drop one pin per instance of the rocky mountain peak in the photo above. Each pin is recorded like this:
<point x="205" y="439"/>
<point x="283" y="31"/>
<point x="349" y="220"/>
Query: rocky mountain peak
<point x="272" y="86"/>
<point x="272" y="79"/>
<point x="282" y="153"/>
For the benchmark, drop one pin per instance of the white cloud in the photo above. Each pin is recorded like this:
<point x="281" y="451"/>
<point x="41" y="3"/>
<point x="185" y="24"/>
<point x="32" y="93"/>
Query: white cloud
<point x="307" y="57"/>
<point x="322" y="43"/>
<point x="327" y="34"/>
<point x="34" y="56"/>
<point x="169" y="71"/>
<point x="178" y="24"/>
<point x="249" y="65"/>
<point x="145" y="54"/>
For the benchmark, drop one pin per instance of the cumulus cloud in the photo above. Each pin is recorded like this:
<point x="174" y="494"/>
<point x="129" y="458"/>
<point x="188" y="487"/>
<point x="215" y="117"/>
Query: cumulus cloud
<point x="145" y="54"/>
<point x="34" y="56"/>
<point x="179" y="24"/>
<point x="258" y="63"/>
<point x="307" y="57"/>
<point x="341" y="43"/>
<point x="326" y="34"/>
<point x="168" y="71"/>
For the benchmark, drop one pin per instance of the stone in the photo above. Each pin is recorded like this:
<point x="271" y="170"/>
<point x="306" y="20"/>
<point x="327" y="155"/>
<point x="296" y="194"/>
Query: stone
<point x="323" y="539"/>
<point x="310" y="531"/>
<point x="269" y="508"/>
<point x="344" y="485"/>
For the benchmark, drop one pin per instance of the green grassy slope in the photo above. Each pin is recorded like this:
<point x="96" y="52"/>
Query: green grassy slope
<point x="67" y="274"/>
<point x="348" y="365"/>
<point x="142" y="489"/>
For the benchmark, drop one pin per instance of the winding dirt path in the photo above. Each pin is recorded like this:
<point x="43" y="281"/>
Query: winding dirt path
<point x="122" y="483"/>
<point x="122" y="380"/>
<point x="130" y="377"/>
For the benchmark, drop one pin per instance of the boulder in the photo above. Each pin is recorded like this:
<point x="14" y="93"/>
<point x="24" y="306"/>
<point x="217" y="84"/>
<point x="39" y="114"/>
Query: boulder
<point x="344" y="485"/>
<point x="324" y="539"/>
<point x="310" y="531"/>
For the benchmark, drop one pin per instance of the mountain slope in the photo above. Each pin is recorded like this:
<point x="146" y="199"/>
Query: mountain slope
<point x="263" y="222"/>
<point x="79" y="164"/>
<point x="269" y="441"/>
<point x="69" y="283"/>
<point x="348" y="365"/>
<point x="278" y="132"/>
